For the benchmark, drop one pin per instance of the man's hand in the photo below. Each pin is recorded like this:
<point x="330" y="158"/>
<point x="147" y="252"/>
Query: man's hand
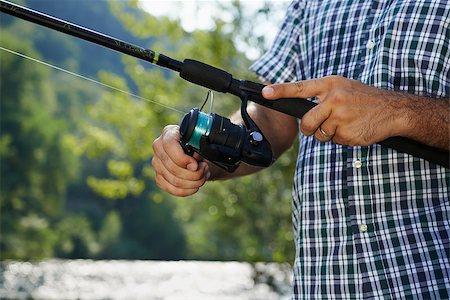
<point x="352" y="113"/>
<point x="177" y="173"/>
<point x="182" y="175"/>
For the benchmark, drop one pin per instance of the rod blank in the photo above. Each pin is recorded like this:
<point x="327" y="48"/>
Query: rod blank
<point x="89" y="35"/>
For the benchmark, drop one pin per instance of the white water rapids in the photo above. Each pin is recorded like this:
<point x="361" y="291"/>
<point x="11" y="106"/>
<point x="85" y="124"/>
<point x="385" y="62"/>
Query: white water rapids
<point x="162" y="280"/>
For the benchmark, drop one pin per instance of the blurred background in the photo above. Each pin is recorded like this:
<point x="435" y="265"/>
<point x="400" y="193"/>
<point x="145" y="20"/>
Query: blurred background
<point x="77" y="194"/>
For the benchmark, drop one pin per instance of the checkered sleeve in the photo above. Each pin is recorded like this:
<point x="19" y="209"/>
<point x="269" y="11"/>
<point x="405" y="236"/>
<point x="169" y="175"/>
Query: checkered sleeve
<point x="280" y="62"/>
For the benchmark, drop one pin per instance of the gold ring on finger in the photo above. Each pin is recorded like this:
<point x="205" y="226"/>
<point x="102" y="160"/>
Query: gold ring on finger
<point x="324" y="132"/>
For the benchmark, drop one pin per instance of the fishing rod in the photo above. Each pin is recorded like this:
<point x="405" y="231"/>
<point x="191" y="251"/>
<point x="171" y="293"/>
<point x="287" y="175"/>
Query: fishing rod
<point x="211" y="135"/>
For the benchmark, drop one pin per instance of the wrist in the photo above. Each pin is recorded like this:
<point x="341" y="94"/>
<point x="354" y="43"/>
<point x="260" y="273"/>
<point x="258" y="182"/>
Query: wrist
<point x="403" y="116"/>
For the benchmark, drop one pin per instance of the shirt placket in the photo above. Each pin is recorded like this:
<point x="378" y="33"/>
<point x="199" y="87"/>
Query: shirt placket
<point x="358" y="183"/>
<point x="368" y="42"/>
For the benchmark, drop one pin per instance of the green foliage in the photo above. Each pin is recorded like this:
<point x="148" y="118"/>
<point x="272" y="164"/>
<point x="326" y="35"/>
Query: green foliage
<point x="26" y="236"/>
<point x="76" y="238"/>
<point x="111" y="229"/>
<point x="33" y="151"/>
<point x="76" y="178"/>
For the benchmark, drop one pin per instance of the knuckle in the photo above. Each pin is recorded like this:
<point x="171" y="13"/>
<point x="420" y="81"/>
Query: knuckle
<point x="171" y="189"/>
<point x="299" y="87"/>
<point x="364" y="143"/>
<point x="306" y="129"/>
<point x="172" y="166"/>
<point x="173" y="158"/>
<point x="353" y="83"/>
<point x="169" y="144"/>
<point x="170" y="135"/>
<point x="180" y="161"/>
<point x="335" y="79"/>
<point x="160" y="182"/>
<point x="155" y="144"/>
<point x="321" y="114"/>
<point x="309" y="122"/>
<point x="177" y="182"/>
<point x="168" y="128"/>
<point x="345" y="140"/>
<point x="155" y="163"/>
<point x="337" y="96"/>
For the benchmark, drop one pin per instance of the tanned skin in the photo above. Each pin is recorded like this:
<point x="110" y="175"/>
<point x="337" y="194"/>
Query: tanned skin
<point x="348" y="112"/>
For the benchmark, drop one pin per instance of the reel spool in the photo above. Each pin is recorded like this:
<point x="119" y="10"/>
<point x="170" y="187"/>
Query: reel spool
<point x="222" y="142"/>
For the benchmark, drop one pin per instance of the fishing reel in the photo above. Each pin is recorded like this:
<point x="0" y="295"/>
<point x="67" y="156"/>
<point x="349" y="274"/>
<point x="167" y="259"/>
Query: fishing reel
<point x="222" y="142"/>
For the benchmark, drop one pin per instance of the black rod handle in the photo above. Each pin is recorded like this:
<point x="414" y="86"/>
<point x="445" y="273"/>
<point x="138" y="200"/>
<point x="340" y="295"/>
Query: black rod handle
<point x="434" y="155"/>
<point x="298" y="107"/>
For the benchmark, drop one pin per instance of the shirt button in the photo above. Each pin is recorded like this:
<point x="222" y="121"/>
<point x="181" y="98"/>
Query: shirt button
<point x="357" y="164"/>
<point x="370" y="45"/>
<point x="363" y="228"/>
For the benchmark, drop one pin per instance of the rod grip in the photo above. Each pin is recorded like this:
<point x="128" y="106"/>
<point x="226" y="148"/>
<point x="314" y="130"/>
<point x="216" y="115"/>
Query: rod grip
<point x="295" y="107"/>
<point x="205" y="75"/>
<point x="299" y="107"/>
<point x="434" y="155"/>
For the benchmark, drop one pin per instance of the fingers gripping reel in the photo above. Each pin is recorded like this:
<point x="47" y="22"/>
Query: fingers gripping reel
<point x="223" y="143"/>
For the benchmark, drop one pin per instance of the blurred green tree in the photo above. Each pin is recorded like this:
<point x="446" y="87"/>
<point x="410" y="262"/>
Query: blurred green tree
<point x="244" y="219"/>
<point x="36" y="163"/>
<point x="96" y="145"/>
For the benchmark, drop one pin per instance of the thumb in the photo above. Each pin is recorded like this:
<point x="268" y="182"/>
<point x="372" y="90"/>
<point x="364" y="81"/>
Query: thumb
<point x="194" y="163"/>
<point x="268" y="92"/>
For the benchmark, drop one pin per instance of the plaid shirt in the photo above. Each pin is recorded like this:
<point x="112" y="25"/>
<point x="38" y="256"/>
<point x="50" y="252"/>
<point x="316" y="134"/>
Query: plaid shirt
<point x="369" y="223"/>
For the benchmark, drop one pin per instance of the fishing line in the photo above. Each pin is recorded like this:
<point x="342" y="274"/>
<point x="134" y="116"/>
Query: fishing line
<point x="206" y="76"/>
<point x="89" y="79"/>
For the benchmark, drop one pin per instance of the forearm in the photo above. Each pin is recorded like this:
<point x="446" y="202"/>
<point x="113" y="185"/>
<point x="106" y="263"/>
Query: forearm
<point x="424" y="119"/>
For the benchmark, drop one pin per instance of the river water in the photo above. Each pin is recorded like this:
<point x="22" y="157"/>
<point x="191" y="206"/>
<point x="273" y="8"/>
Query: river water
<point x="120" y="279"/>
